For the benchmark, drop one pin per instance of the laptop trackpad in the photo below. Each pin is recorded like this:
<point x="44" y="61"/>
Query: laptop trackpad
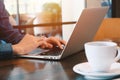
<point x="38" y="51"/>
<point x="54" y="51"/>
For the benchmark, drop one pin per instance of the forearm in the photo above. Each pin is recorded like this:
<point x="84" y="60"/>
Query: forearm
<point x="6" y="51"/>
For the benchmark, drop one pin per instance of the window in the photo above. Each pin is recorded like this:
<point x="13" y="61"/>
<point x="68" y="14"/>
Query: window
<point x="34" y="12"/>
<point x="101" y="3"/>
<point x="24" y="10"/>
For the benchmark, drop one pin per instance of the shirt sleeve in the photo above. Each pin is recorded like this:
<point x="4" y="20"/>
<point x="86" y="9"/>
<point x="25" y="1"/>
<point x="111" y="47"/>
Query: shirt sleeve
<point x="7" y="32"/>
<point x="6" y="51"/>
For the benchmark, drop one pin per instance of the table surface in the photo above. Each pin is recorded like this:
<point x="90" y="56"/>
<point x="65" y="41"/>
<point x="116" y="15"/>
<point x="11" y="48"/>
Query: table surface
<point x="36" y="69"/>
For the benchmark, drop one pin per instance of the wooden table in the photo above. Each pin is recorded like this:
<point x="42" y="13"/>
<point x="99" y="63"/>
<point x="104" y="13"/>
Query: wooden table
<point x="34" y="69"/>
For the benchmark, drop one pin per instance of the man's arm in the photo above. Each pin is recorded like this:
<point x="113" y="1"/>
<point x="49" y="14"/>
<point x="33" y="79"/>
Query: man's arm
<point x="7" y="33"/>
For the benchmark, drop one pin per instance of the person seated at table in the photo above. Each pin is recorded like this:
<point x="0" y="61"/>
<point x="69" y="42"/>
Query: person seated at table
<point x="17" y="43"/>
<point x="26" y="45"/>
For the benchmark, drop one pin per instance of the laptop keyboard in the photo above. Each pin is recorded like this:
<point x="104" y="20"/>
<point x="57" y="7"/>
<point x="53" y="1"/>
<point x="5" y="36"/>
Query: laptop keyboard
<point x="54" y="51"/>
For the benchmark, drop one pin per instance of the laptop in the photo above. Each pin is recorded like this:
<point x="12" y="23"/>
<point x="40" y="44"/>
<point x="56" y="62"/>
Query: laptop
<point x="84" y="31"/>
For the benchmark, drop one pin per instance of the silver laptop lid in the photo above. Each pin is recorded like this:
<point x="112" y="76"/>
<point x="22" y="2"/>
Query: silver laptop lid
<point x="85" y="29"/>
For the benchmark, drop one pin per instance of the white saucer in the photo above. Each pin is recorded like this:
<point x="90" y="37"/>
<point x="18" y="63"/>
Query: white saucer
<point x="85" y="69"/>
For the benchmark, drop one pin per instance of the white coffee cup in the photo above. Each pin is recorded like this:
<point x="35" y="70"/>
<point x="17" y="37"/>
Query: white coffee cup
<point x="101" y="54"/>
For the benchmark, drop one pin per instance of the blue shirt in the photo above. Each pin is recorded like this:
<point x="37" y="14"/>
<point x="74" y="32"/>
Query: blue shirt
<point x="7" y="33"/>
<point x="6" y="51"/>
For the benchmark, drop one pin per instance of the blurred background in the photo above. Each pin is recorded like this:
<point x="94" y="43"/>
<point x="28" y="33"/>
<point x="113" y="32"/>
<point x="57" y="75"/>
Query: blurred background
<point x="36" y="14"/>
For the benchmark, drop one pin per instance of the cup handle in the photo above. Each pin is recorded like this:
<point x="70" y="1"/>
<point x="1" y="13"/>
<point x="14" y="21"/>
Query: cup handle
<point x="118" y="55"/>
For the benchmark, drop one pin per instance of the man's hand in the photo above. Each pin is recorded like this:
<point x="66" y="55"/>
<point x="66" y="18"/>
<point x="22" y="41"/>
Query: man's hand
<point x="29" y="43"/>
<point x="53" y="41"/>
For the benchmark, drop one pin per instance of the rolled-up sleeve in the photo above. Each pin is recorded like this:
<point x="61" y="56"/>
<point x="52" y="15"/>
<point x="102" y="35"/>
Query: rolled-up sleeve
<point x="6" y="51"/>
